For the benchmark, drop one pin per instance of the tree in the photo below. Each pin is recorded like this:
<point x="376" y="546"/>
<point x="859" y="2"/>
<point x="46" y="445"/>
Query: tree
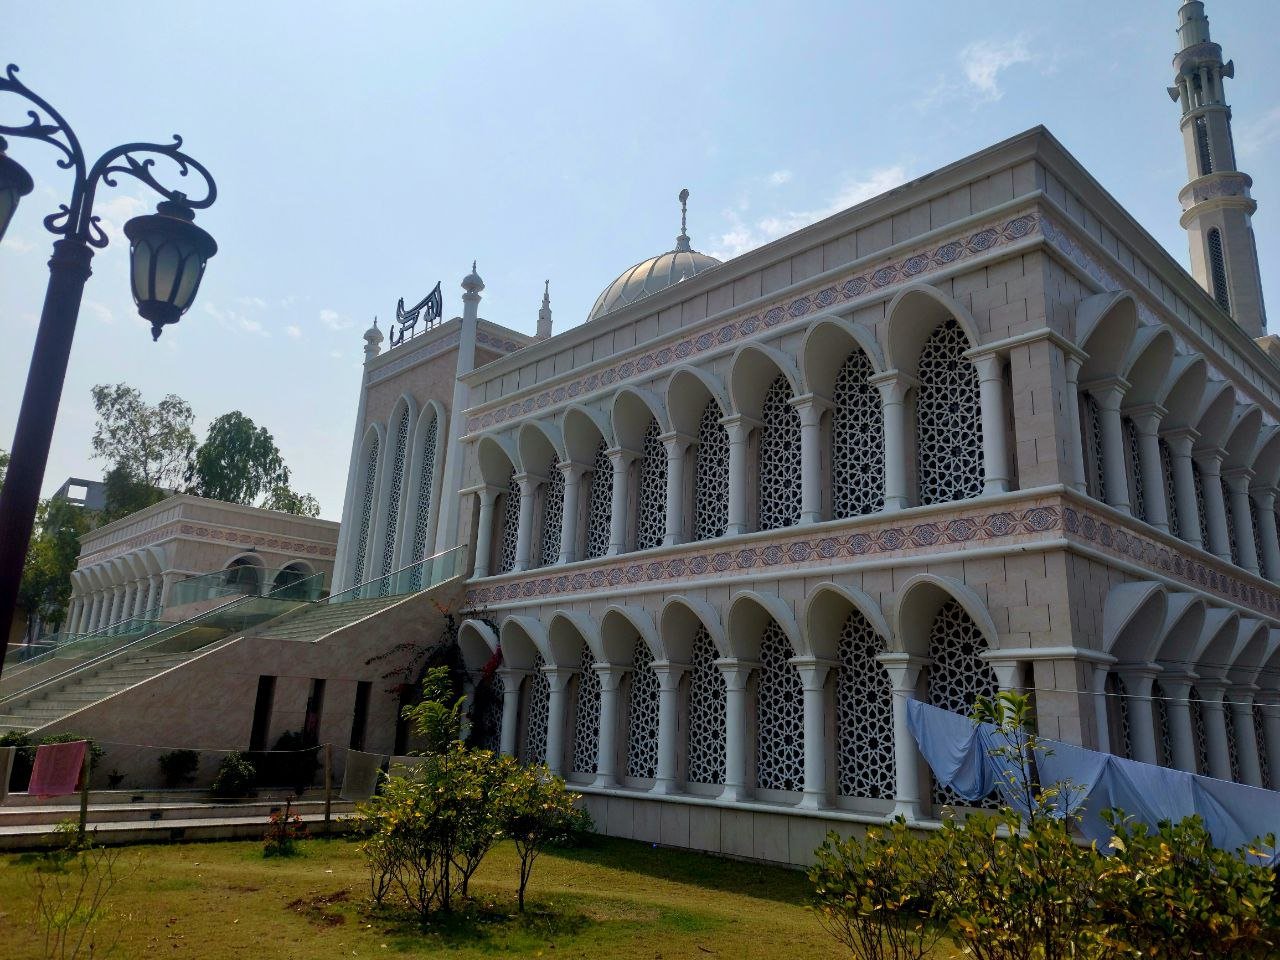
<point x="4" y="465"/>
<point x="46" y="574"/>
<point x="124" y="494"/>
<point x="289" y="501"/>
<point x="238" y="461"/>
<point x="152" y="444"/>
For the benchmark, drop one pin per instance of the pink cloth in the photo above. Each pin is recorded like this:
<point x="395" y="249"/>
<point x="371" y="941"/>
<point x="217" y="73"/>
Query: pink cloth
<point x="57" y="768"/>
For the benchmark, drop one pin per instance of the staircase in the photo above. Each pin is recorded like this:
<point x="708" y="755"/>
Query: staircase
<point x="81" y="689"/>
<point x="323" y="619"/>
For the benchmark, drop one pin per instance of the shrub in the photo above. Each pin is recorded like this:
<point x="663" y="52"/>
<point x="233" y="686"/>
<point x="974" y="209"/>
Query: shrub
<point x="537" y="811"/>
<point x="178" y="767"/>
<point x="236" y="777"/>
<point x="71" y="888"/>
<point x="284" y="829"/>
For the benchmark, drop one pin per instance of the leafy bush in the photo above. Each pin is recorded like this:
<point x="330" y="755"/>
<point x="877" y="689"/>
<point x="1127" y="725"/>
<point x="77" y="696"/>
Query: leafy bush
<point x="178" y="767"/>
<point x="290" y="763"/>
<point x="236" y="777"/>
<point x="431" y="827"/>
<point x="284" y="829"/>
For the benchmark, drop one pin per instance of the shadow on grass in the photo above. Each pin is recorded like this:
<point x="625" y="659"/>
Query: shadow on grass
<point x="484" y="925"/>
<point x="697" y="869"/>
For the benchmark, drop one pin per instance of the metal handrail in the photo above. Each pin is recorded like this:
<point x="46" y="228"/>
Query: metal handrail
<point x="58" y="650"/>
<point x="422" y="584"/>
<point x="151" y="639"/>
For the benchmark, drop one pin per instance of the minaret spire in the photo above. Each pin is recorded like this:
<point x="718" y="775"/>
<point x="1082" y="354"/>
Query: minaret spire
<point x="1216" y="205"/>
<point x="682" y="241"/>
<point x="544" y="314"/>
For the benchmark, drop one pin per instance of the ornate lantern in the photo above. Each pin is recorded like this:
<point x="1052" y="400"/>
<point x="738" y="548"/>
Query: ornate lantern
<point x="15" y="183"/>
<point x="168" y="253"/>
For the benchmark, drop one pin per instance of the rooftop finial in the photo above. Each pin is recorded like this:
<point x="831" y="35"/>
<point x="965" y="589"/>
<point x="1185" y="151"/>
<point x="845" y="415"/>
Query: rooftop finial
<point x="544" y="315"/>
<point x="682" y="241"/>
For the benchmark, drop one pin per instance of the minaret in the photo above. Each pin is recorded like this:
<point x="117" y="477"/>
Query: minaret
<point x="342" y="562"/>
<point x="544" y="314"/>
<point x="447" y="523"/>
<point x="1216" y="206"/>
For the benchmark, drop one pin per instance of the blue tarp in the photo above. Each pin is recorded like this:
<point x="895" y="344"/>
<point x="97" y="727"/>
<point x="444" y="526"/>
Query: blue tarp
<point x="959" y="752"/>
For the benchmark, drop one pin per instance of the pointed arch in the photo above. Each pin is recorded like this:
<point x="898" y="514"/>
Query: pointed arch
<point x="918" y="603"/>
<point x="619" y="628"/>
<point x="1217" y="643"/>
<point x="582" y="430"/>
<point x="430" y="436"/>
<point x="477" y="642"/>
<point x="752" y="371"/>
<point x="1132" y="618"/>
<point x="537" y="443"/>
<point x="567" y="632"/>
<point x="1217" y="408"/>
<point x="1257" y="644"/>
<point x="366" y="503"/>
<point x="827" y="608"/>
<point x="388" y="534"/>
<point x="827" y="343"/>
<point x="632" y="409"/>
<point x="1106" y="324"/>
<point x="1183" y="625"/>
<point x="679" y="621"/>
<point x="688" y="391"/>
<point x="1265" y="461"/>
<point x="524" y="641"/>
<point x="497" y="459"/>
<point x="912" y="316"/>
<point x="1183" y="391"/>
<point x="748" y="617"/>
<point x="1147" y="364"/>
<point x="1241" y="438"/>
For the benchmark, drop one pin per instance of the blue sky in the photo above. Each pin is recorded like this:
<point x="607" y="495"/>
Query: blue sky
<point x="365" y="151"/>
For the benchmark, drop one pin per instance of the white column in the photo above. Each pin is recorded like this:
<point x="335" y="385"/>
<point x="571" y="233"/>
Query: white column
<point x="1215" y="505"/>
<point x="95" y="612"/>
<point x="1265" y="499"/>
<point x="117" y="604"/>
<point x="74" y="606"/>
<point x="677" y="445"/>
<point x="140" y="598"/>
<point x="511" y="681"/>
<point x="1114" y="455"/>
<point x="1242" y="517"/>
<point x="448" y="514"/>
<point x="1101" y="720"/>
<point x="810" y="407"/>
<point x="156" y="601"/>
<point x="558" y="680"/>
<point x="484" y="534"/>
<point x="1138" y="682"/>
<point x="573" y="473"/>
<point x="739" y="429"/>
<point x="621" y="458"/>
<point x="904" y="677"/>
<point x="667" y="780"/>
<point x="1075" y="442"/>
<point x="1184" y="485"/>
<point x="1146" y="420"/>
<point x="813" y="678"/>
<point x="607" y="752"/>
<point x="1215" y="728"/>
<point x="1181" y="730"/>
<point x="893" y="387"/>
<point x="528" y="484"/>
<point x="995" y="423"/>
<point x="1246" y="737"/>
<point x="1270" y="702"/>
<point x="736" y="674"/>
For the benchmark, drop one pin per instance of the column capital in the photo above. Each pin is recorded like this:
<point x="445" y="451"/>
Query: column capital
<point x="1146" y="417"/>
<point x="528" y="481"/>
<point x="514" y="673"/>
<point x="1265" y="494"/>
<point x="893" y="385"/>
<point x="1212" y="689"/>
<point x="904" y="670"/>
<point x="669" y="673"/>
<point x="813" y="670"/>
<point x="1181" y="439"/>
<point x="1209" y="459"/>
<point x="1108" y="391"/>
<point x="988" y="363"/>
<point x="1238" y="479"/>
<point x="739" y="421"/>
<point x="622" y="455"/>
<point x="558" y="677"/>
<point x="810" y="402"/>
<point x="610" y="674"/>
<point x="1005" y="667"/>
<point x="573" y="468"/>
<point x="488" y="493"/>
<point x="736" y="671"/>
<point x="676" y="442"/>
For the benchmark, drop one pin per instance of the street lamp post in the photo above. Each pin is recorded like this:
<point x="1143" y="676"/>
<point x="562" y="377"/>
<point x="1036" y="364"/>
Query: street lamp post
<point x="168" y="253"/>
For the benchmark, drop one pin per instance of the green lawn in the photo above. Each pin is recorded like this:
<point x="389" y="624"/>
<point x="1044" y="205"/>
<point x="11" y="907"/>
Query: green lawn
<point x="617" y="899"/>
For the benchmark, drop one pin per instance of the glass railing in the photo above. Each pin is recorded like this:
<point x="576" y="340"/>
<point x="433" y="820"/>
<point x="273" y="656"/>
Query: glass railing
<point x="189" y="635"/>
<point x="422" y="575"/>
<point x="246" y="581"/>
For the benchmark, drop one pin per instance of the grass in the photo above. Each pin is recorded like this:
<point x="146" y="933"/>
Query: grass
<point x="618" y="899"/>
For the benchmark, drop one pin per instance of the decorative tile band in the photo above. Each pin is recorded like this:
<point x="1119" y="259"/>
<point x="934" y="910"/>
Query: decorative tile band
<point x="256" y="540"/>
<point x="126" y="546"/>
<point x="711" y="562"/>
<point x="876" y="280"/>
<point x="1122" y="542"/>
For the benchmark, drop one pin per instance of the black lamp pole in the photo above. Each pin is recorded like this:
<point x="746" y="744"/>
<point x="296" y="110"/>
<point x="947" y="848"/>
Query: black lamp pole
<point x="168" y="254"/>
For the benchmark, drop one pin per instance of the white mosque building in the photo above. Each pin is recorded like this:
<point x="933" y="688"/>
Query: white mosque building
<point x="978" y="433"/>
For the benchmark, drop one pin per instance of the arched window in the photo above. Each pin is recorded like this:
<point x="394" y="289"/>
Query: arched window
<point x="957" y="673"/>
<point x="600" y="504"/>
<point x="1230" y="513"/>
<point x="1201" y="515"/>
<point x="366" y="510"/>
<point x="857" y="441"/>
<point x="1091" y="440"/>
<point x="1201" y="735"/>
<point x="779" y="463"/>
<point x="426" y="479"/>
<point x="1257" y="540"/>
<point x="1137" y="502"/>
<point x="586" y="718"/>
<point x="642" y="715"/>
<point x="864" y="714"/>
<point x="651" y="494"/>
<point x="1218" y="270"/>
<point x="1118" y="716"/>
<point x="1260" y="731"/>
<point x="486" y="729"/>
<point x="393" y="503"/>
<point x="949" y="419"/>
<point x="705" y="745"/>
<point x="1164" y="736"/>
<point x="779" y="715"/>
<point x="510" y="526"/>
<point x="1202" y="146"/>
<point x="1170" y="495"/>
<point x="552" y="514"/>
<point x="711" y="476"/>
<point x="538" y="693"/>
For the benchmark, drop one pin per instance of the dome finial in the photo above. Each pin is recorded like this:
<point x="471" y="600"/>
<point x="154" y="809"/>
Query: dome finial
<point x="682" y="241"/>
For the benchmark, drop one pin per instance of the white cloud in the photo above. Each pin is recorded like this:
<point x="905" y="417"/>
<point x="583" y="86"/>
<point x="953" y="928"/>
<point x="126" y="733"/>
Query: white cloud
<point x="294" y="331"/>
<point x="742" y="236"/>
<point x="982" y="63"/>
<point x="779" y="177"/>
<point x="334" y="320"/>
<point x="234" y="320"/>
<point x="252" y="302"/>
<point x="1252" y="138"/>
<point x="101" y="312"/>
